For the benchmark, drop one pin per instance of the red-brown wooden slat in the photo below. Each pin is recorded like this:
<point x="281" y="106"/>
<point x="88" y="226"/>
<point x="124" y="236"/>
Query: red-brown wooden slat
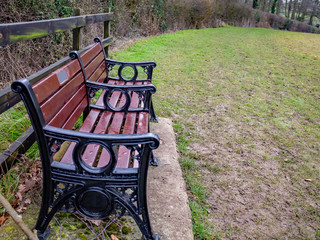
<point x="143" y="124"/>
<point x="91" y="151"/>
<point x="47" y="86"/>
<point x="92" y="66"/>
<point x="76" y="114"/>
<point x="62" y="116"/>
<point x="99" y="74"/>
<point x="86" y="127"/>
<point x="129" y="128"/>
<point x="115" y="128"/>
<point x="143" y="121"/>
<point x="61" y="97"/>
<point x="89" y="55"/>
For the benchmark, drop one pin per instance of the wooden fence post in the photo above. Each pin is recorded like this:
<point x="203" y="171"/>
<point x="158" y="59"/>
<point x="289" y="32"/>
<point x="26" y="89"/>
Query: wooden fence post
<point x="107" y="31"/>
<point x="76" y="32"/>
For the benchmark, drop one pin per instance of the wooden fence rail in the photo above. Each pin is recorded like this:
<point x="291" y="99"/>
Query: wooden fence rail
<point x="15" y="32"/>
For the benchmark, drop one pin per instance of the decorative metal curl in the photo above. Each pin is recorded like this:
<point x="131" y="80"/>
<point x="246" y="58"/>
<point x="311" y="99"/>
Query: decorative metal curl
<point x="110" y="66"/>
<point x="119" y="210"/>
<point x="84" y="167"/>
<point x="135" y="149"/>
<point x="147" y="70"/>
<point x="92" y="92"/>
<point x="52" y="143"/>
<point x="60" y="192"/>
<point x="142" y="95"/>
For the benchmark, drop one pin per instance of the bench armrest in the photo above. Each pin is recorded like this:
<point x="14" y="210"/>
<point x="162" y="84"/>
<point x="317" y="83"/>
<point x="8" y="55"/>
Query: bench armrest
<point x="140" y="144"/>
<point x="146" y="66"/>
<point x="110" y="140"/>
<point x="144" y="93"/>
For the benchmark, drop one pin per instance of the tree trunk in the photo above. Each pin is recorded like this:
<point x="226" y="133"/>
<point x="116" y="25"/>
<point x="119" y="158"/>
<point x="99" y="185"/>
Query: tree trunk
<point x="293" y="14"/>
<point x="314" y="9"/>
<point x="303" y="10"/>
<point x="289" y="8"/>
<point x="273" y="7"/>
<point x="278" y="7"/>
<point x="286" y="9"/>
<point x="263" y="5"/>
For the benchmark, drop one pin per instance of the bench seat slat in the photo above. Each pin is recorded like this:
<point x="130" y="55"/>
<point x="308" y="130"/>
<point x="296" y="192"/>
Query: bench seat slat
<point x="86" y="127"/>
<point x="129" y="128"/>
<point x="92" y="150"/>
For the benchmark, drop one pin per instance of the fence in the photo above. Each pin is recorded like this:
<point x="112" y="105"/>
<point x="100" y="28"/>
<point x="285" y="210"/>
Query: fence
<point x="15" y="32"/>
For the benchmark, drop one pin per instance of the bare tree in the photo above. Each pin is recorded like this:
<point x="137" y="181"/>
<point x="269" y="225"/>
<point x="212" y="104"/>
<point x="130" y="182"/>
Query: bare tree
<point x="294" y="9"/>
<point x="315" y="9"/>
<point x="279" y="4"/>
<point x="302" y="10"/>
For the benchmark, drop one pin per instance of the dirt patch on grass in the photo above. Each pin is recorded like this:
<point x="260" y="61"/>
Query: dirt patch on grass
<point x="254" y="195"/>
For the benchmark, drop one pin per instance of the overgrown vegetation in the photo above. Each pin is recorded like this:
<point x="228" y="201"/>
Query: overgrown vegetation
<point x="245" y="106"/>
<point x="244" y="102"/>
<point x="132" y="19"/>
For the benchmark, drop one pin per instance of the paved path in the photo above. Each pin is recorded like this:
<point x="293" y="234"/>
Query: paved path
<point x="167" y="198"/>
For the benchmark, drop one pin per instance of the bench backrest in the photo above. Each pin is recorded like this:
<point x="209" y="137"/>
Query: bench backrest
<point x="62" y="95"/>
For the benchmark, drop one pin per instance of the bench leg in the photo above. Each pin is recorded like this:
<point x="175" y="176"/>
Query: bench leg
<point x="153" y="161"/>
<point x="46" y="216"/>
<point x="153" y="115"/>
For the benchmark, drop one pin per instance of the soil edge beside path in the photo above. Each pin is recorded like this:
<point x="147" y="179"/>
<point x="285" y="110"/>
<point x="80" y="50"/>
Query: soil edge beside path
<point x="167" y="198"/>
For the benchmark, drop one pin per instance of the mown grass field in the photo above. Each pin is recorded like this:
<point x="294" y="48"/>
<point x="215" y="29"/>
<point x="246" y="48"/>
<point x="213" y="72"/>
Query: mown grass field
<point x="246" y="108"/>
<point x="245" y="104"/>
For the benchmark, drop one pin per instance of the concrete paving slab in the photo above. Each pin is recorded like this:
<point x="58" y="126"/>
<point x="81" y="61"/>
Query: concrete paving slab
<point x="167" y="198"/>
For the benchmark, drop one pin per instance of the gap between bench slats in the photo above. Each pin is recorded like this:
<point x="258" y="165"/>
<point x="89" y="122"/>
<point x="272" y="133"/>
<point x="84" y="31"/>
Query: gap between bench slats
<point x="129" y="126"/>
<point x="87" y="126"/>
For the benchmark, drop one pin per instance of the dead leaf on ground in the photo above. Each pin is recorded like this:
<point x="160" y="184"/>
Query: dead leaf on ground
<point x="96" y="222"/>
<point x="114" y="237"/>
<point x="3" y="219"/>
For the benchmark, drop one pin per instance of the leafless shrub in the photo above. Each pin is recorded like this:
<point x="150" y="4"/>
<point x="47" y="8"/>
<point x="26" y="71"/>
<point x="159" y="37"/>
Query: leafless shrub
<point x="133" y="18"/>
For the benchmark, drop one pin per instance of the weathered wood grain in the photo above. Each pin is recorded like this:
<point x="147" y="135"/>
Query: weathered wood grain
<point x="16" y="32"/>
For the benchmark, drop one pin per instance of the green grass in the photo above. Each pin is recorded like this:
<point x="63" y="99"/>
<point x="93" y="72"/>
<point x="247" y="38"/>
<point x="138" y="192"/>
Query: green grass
<point x="246" y="109"/>
<point x="245" y="106"/>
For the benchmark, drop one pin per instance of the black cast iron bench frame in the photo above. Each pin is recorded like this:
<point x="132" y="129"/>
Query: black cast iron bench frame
<point x="76" y="185"/>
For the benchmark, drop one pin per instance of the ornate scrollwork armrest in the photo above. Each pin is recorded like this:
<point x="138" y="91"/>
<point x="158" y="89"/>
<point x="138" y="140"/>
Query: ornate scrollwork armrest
<point x="144" y="94"/>
<point x="135" y="142"/>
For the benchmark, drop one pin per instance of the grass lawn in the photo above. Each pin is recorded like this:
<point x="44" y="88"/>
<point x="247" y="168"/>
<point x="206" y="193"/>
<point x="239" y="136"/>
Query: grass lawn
<point x="246" y="108"/>
<point x="245" y="104"/>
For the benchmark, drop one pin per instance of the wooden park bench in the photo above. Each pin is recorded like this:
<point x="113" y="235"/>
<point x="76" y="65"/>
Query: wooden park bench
<point x="93" y="135"/>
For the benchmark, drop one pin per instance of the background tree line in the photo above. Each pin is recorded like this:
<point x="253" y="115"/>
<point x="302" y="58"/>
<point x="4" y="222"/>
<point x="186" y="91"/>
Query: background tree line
<point x="301" y="10"/>
<point x="135" y="18"/>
